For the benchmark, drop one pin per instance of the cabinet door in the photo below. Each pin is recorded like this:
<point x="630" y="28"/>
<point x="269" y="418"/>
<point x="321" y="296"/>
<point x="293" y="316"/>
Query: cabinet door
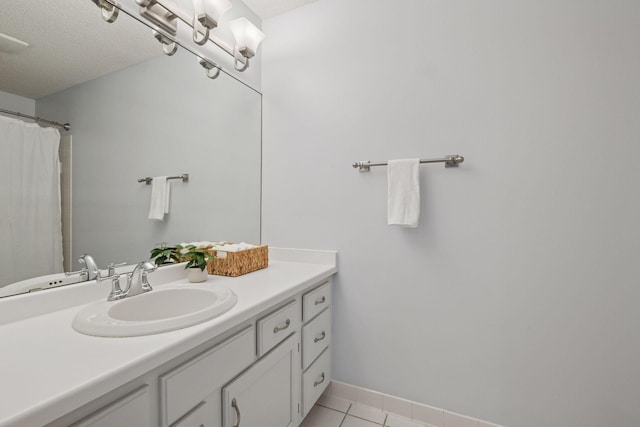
<point x="266" y="394"/>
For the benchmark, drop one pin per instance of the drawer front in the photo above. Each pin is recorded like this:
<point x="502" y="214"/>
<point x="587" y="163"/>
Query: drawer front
<point x="187" y="385"/>
<point x="315" y="381"/>
<point x="316" y="336"/>
<point x="315" y="301"/>
<point x="277" y="326"/>
<point x="201" y="416"/>
<point x="132" y="409"/>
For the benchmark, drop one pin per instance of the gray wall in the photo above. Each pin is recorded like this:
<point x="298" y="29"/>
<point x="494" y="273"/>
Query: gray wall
<point x="516" y="299"/>
<point x="20" y="104"/>
<point x="161" y="117"/>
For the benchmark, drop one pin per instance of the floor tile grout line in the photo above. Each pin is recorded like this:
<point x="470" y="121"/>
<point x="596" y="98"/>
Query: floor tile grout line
<point x="364" y="419"/>
<point x="333" y="409"/>
<point x="345" y="415"/>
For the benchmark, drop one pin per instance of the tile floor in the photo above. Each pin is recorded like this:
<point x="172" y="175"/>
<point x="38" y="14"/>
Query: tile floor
<point x="332" y="411"/>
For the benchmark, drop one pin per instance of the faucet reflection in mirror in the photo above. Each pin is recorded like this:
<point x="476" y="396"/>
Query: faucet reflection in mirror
<point x="165" y="16"/>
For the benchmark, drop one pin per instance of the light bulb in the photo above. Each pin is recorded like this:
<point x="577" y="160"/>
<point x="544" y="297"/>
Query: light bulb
<point x="209" y="12"/>
<point x="248" y="36"/>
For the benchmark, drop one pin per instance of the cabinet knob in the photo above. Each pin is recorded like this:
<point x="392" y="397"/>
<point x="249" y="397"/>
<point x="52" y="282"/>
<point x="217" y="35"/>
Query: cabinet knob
<point x="320" y="337"/>
<point x="320" y="300"/>
<point x="282" y="328"/>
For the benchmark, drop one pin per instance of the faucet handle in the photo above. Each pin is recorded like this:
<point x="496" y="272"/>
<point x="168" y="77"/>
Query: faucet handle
<point x="116" y="291"/>
<point x="111" y="268"/>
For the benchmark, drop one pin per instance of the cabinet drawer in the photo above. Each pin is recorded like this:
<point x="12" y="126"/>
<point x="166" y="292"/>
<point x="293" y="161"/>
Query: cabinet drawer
<point x="315" y="380"/>
<point x="316" y="336"/>
<point x="315" y="301"/>
<point x="187" y="385"/>
<point x="277" y="326"/>
<point x="132" y="409"/>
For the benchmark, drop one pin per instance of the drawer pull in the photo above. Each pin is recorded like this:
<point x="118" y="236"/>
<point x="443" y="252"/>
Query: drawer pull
<point x="317" y="383"/>
<point x="234" y="405"/>
<point x="282" y="328"/>
<point x="320" y="300"/>
<point x="320" y="337"/>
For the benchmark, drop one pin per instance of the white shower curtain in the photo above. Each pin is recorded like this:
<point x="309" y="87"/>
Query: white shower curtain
<point x="30" y="218"/>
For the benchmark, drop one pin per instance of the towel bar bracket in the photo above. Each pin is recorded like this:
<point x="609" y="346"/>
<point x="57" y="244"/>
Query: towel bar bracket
<point x="363" y="166"/>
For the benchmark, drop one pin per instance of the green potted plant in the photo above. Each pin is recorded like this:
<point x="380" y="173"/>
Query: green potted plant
<point x="197" y="259"/>
<point x="165" y="254"/>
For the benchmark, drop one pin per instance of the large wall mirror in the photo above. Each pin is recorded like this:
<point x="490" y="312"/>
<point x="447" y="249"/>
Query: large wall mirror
<point x="134" y="113"/>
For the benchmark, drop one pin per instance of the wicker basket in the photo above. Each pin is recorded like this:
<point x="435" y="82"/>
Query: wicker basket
<point x="238" y="263"/>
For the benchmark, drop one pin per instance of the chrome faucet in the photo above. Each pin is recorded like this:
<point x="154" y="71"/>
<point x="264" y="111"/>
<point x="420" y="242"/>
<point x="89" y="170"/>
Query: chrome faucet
<point x="90" y="271"/>
<point x="90" y="265"/>
<point x="137" y="282"/>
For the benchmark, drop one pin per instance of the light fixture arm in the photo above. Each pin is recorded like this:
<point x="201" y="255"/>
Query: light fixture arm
<point x="109" y="11"/>
<point x="240" y="62"/>
<point x="169" y="47"/>
<point x="210" y="66"/>
<point x="200" y="32"/>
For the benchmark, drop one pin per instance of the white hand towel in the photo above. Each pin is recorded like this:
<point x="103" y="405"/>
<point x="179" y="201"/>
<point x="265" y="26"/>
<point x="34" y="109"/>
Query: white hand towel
<point x="403" y="192"/>
<point x="160" y="191"/>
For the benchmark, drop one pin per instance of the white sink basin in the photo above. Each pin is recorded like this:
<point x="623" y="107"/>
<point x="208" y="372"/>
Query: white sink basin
<point x="161" y="310"/>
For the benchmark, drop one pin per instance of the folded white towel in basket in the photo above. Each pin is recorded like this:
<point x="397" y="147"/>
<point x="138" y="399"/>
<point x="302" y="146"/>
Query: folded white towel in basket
<point x="160" y="193"/>
<point x="403" y="192"/>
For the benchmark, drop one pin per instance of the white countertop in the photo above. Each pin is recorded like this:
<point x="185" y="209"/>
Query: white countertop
<point x="47" y="369"/>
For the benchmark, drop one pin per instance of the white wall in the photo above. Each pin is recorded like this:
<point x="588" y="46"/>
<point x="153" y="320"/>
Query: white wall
<point x="20" y="104"/>
<point x="516" y="300"/>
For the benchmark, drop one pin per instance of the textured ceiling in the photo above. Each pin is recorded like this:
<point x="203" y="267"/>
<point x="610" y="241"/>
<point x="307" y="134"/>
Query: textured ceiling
<point x="69" y="44"/>
<point x="269" y="8"/>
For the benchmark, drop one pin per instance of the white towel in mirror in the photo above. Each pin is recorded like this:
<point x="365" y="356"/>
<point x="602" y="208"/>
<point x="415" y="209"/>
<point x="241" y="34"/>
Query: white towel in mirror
<point x="403" y="192"/>
<point x="160" y="194"/>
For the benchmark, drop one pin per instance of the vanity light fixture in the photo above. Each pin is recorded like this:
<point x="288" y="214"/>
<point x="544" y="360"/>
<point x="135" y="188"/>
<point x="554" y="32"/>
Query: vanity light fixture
<point x="248" y="38"/>
<point x="165" y="15"/>
<point x="206" y="17"/>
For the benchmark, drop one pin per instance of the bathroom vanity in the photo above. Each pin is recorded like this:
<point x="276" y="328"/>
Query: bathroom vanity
<point x="263" y="363"/>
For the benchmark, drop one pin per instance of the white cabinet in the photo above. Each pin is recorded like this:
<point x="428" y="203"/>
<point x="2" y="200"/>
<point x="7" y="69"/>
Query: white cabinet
<point x="316" y="344"/>
<point x="268" y="374"/>
<point x="315" y="380"/>
<point x="186" y="386"/>
<point x="266" y="394"/>
<point x="316" y="336"/>
<point x="276" y="326"/>
<point x="130" y="410"/>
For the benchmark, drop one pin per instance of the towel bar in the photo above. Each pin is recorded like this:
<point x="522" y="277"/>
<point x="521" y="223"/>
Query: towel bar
<point x="184" y="177"/>
<point x="450" y="161"/>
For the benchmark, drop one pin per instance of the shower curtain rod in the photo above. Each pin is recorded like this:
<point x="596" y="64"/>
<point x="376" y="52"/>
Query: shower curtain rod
<point x="65" y="126"/>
